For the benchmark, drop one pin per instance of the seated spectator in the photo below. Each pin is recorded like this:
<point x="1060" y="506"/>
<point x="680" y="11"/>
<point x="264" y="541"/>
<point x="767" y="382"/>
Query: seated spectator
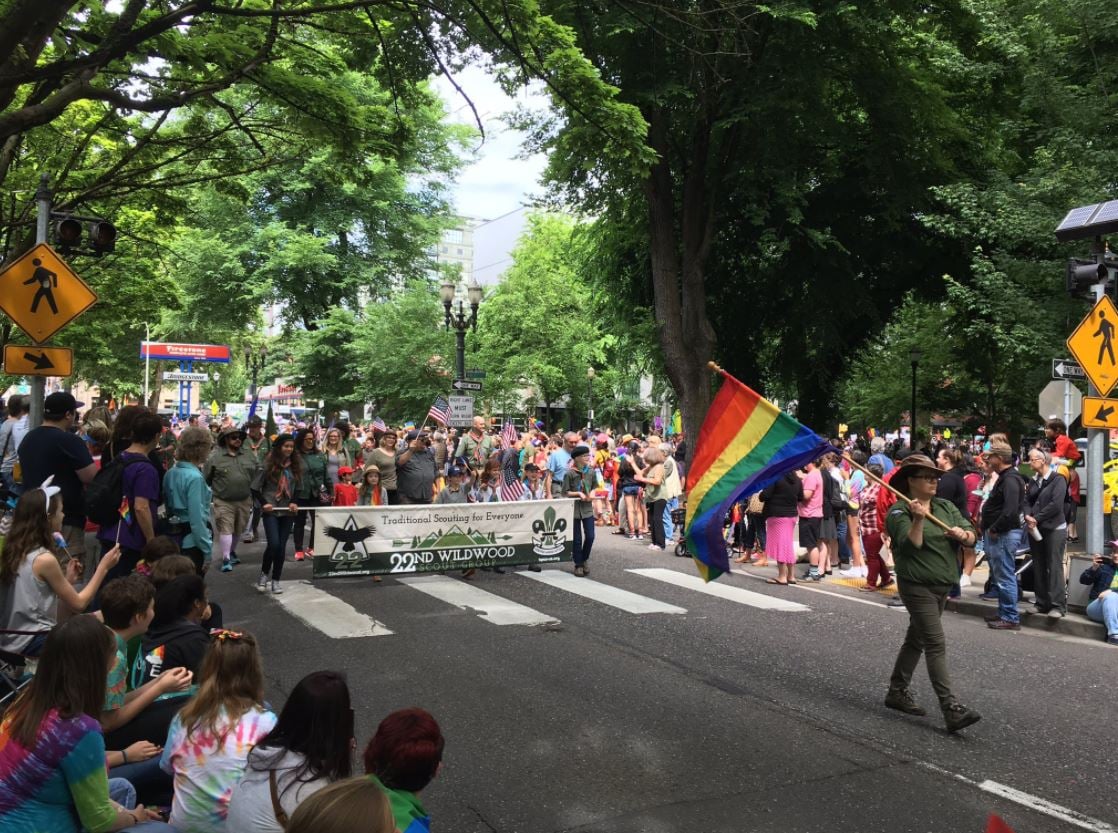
<point x="32" y="580"/>
<point x="1102" y="575"/>
<point x="127" y="608"/>
<point x="52" y="755"/>
<point x="310" y="747"/>
<point x="402" y="757"/>
<point x="173" y="566"/>
<point x="154" y="550"/>
<point x="355" y="805"/>
<point x="175" y="639"/>
<point x="208" y="744"/>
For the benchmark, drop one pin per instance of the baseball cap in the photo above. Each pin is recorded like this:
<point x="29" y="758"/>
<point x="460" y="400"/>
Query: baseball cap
<point x="60" y="403"/>
<point x="345" y="470"/>
<point x="454" y="471"/>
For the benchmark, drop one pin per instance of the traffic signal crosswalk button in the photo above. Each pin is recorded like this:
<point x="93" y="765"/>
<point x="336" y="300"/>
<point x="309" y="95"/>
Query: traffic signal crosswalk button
<point x="1094" y="344"/>
<point x="42" y="294"/>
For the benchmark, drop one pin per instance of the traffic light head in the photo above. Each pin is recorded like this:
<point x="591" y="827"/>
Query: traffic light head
<point x="102" y="236"/>
<point x="68" y="234"/>
<point x="1083" y="274"/>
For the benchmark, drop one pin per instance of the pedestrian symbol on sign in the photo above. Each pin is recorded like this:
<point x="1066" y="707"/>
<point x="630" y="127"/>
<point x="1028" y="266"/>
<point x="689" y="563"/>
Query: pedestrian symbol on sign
<point x="1106" y="332"/>
<point x="47" y="281"/>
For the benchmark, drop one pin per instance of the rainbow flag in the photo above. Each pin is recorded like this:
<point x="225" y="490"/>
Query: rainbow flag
<point x="746" y="443"/>
<point x="125" y="510"/>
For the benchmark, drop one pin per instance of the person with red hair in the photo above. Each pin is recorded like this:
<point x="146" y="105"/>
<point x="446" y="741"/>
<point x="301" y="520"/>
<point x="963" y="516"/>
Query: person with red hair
<point x="402" y="758"/>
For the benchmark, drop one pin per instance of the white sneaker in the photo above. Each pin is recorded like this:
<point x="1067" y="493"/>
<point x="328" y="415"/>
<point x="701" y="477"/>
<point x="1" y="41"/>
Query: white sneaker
<point x="853" y="572"/>
<point x="248" y="538"/>
<point x="964" y="580"/>
<point x="276" y="589"/>
<point x="262" y="582"/>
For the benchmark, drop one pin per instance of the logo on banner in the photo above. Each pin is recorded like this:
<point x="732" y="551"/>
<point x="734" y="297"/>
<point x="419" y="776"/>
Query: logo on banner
<point x="549" y="535"/>
<point x="350" y="538"/>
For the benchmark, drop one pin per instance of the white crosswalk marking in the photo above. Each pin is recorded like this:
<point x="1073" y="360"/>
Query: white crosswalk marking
<point x="722" y="591"/>
<point x="327" y="613"/>
<point x="486" y="605"/>
<point x="604" y="593"/>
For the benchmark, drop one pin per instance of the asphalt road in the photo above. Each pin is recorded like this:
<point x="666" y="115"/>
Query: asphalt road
<point x="729" y="717"/>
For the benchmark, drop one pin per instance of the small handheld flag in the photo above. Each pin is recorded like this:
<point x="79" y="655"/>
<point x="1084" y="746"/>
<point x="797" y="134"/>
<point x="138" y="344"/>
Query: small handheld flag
<point x="509" y="434"/>
<point x="746" y="444"/>
<point x="440" y="410"/>
<point x="378" y="425"/>
<point x="125" y="512"/>
<point x="409" y="425"/>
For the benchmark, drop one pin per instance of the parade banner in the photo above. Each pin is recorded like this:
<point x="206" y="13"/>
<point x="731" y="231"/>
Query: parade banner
<point x="403" y="540"/>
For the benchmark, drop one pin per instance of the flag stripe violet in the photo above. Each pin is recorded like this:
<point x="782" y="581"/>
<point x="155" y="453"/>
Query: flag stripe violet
<point x="125" y="510"/>
<point x="746" y="444"/>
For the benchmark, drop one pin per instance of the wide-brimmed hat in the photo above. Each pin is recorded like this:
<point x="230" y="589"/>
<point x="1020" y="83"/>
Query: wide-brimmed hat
<point x="224" y="436"/>
<point x="911" y="465"/>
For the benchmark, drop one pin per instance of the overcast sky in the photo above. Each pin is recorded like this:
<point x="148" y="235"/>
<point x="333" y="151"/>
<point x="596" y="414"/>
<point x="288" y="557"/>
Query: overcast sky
<point x="496" y="184"/>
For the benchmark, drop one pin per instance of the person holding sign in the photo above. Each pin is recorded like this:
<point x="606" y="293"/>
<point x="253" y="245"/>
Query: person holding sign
<point x="578" y="483"/>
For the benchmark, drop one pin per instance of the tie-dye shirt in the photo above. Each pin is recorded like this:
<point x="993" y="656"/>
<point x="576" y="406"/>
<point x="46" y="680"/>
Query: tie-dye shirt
<point x="58" y="785"/>
<point x="206" y="766"/>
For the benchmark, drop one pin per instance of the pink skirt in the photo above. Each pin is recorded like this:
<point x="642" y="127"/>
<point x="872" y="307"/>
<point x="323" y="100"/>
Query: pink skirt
<point x="778" y="540"/>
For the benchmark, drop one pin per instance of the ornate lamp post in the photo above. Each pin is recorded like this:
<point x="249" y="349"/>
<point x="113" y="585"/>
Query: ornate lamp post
<point x="914" y="355"/>
<point x="460" y="319"/>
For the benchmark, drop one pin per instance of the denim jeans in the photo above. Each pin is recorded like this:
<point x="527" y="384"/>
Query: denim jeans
<point x="584" y="539"/>
<point x="669" y="527"/>
<point x="1105" y="610"/>
<point x="277" y="529"/>
<point x="1001" y="552"/>
<point x="844" y="553"/>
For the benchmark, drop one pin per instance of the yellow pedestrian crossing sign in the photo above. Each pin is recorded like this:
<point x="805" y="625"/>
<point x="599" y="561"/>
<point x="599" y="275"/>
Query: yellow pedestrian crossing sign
<point x="1094" y="344"/>
<point x="42" y="294"/>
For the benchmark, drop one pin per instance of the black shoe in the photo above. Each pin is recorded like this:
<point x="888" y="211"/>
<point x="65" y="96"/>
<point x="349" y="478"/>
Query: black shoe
<point x="499" y="570"/>
<point x="993" y="618"/>
<point x="535" y="568"/>
<point x="1003" y="625"/>
<point x="901" y="700"/>
<point x="958" y="716"/>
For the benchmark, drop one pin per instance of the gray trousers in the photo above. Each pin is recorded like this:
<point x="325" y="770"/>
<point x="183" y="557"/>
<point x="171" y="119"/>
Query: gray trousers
<point x="1048" y="570"/>
<point x="925" y="637"/>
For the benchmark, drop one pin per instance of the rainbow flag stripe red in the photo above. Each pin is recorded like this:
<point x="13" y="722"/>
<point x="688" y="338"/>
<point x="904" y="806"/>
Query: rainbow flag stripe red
<point x="746" y="443"/>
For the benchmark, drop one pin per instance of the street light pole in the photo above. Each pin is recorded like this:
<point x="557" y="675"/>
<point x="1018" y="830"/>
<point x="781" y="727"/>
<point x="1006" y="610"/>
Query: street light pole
<point x="915" y="354"/>
<point x="42" y="221"/>
<point x="460" y="320"/>
<point x="254" y="363"/>
<point x="590" y="398"/>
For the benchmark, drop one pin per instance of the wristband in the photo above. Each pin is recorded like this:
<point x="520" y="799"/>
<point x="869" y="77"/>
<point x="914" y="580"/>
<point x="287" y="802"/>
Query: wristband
<point x="124" y="756"/>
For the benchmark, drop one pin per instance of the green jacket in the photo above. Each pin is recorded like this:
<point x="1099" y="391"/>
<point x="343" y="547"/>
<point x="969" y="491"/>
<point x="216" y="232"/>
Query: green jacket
<point x="935" y="562"/>
<point x="230" y="475"/>
<point x="259" y="451"/>
<point x="315" y="478"/>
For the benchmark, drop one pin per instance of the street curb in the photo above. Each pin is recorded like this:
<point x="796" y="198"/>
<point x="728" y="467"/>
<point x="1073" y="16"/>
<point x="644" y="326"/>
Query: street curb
<point x="1070" y="625"/>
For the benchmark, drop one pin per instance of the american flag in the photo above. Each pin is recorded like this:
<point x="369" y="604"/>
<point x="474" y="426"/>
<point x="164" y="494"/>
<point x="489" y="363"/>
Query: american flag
<point x="509" y="435"/>
<point x="511" y="487"/>
<point x="378" y="425"/>
<point x="440" y="411"/>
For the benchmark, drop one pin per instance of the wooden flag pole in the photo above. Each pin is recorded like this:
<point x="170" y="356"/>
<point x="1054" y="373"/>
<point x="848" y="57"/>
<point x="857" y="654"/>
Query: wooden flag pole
<point x="900" y="496"/>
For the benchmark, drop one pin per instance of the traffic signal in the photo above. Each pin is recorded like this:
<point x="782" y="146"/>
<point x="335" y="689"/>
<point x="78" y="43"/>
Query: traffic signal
<point x="102" y="237"/>
<point x="68" y="234"/>
<point x="1083" y="274"/>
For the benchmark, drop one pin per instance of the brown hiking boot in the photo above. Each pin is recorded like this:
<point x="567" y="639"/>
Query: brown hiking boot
<point x="901" y="700"/>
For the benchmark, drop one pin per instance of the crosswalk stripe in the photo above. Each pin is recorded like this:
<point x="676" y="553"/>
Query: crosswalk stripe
<point x="486" y="605"/>
<point x="599" y="592"/>
<point x="723" y="591"/>
<point x="327" y="613"/>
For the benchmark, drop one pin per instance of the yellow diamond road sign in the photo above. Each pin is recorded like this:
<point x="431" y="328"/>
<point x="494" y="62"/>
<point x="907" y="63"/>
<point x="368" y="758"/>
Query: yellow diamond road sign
<point x="1099" y="412"/>
<point x="1094" y="344"/>
<point x="41" y="294"/>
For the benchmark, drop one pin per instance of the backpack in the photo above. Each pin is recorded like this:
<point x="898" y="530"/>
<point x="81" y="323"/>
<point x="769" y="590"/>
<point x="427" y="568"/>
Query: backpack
<point x="105" y="493"/>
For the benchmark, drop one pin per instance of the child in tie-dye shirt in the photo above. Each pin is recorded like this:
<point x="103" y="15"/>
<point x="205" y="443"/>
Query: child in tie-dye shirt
<point x="208" y="745"/>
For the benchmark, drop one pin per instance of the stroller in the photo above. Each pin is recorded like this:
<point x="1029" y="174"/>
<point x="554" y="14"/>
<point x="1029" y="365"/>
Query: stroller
<point x="679" y="516"/>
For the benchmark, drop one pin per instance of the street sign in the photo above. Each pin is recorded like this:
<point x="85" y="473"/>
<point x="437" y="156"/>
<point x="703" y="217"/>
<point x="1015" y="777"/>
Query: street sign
<point x="461" y="411"/>
<point x="1099" y="412"/>
<point x="41" y="294"/>
<point x="474" y="374"/>
<point x="1094" y="344"/>
<point x="463" y="384"/>
<point x="38" y="361"/>
<point x="1061" y="399"/>
<point x="1067" y="369"/>
<point x="161" y="351"/>
<point x="185" y="376"/>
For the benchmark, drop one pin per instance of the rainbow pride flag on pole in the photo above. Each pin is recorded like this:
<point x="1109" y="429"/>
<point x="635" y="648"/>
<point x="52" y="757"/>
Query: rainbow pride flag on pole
<point x="746" y="443"/>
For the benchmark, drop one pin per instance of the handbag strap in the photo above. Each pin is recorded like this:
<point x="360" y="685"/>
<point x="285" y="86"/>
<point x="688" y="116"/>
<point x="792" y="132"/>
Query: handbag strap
<point x="277" y="808"/>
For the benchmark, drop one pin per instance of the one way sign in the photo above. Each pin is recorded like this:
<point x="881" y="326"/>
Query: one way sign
<point x="465" y="384"/>
<point x="21" y="360"/>
<point x="1067" y="369"/>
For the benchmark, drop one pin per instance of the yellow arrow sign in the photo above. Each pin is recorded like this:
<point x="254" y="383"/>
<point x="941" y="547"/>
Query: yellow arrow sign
<point x="38" y="361"/>
<point x="1099" y="412"/>
<point x="41" y="294"/>
<point x="1094" y="343"/>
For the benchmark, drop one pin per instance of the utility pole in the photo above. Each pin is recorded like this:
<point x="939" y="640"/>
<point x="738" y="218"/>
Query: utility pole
<point x="42" y="221"/>
<point x="1096" y="446"/>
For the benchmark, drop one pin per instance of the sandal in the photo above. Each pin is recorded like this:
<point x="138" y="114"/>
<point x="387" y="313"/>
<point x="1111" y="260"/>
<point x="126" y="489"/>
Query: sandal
<point x="764" y="562"/>
<point x="774" y="581"/>
<point x="742" y="559"/>
<point x="792" y="581"/>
